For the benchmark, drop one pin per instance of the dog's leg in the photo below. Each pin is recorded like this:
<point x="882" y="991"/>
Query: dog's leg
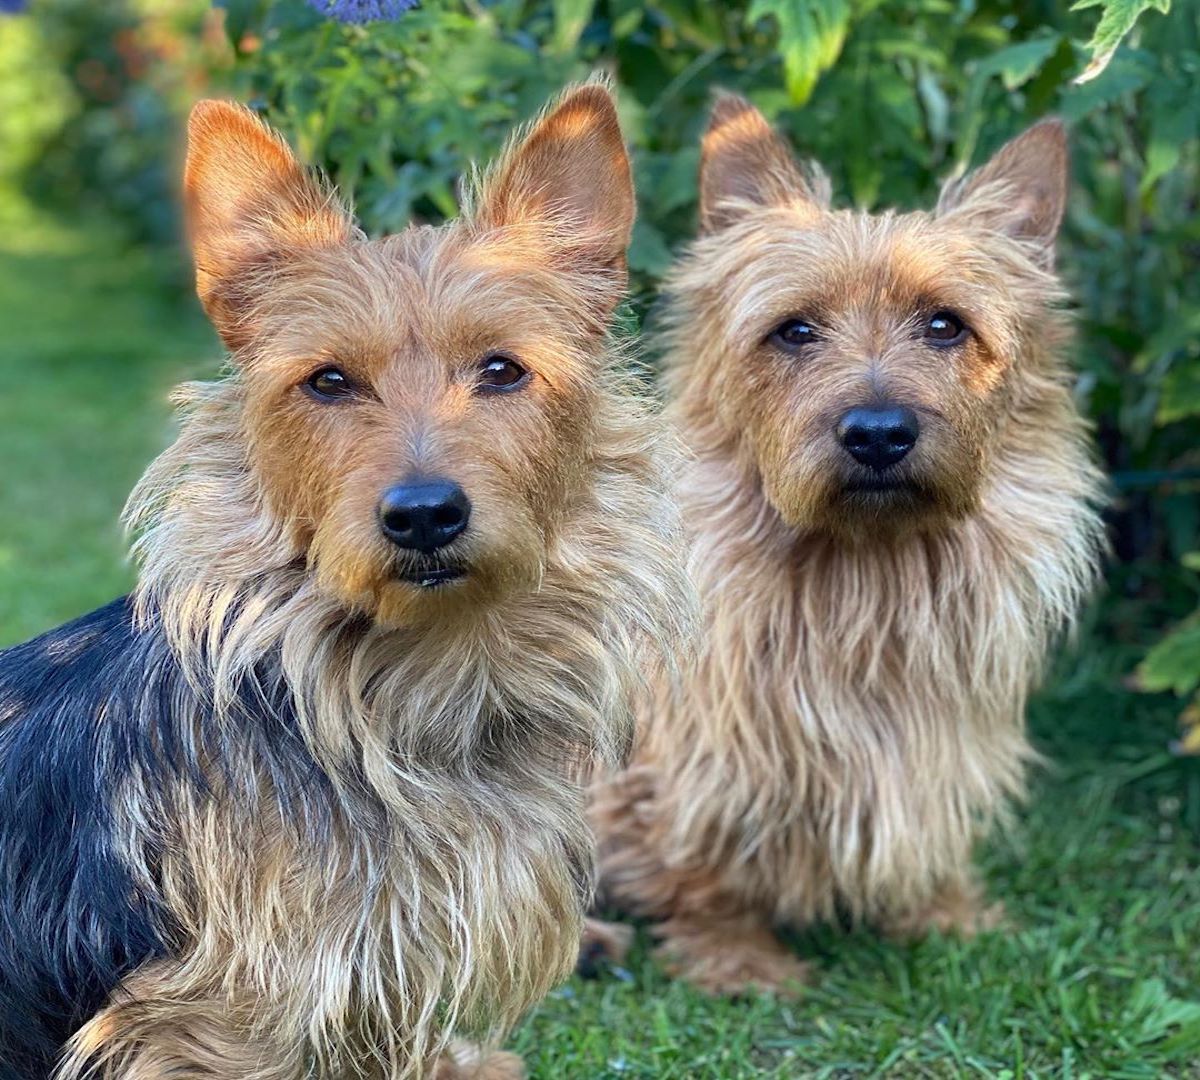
<point x="731" y="955"/>
<point x="956" y="907"/>
<point x="465" y="1061"/>
<point x="707" y="936"/>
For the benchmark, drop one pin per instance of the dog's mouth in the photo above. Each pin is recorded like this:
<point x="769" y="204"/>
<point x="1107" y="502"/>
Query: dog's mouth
<point x="881" y="493"/>
<point x="431" y="577"/>
<point x="882" y="485"/>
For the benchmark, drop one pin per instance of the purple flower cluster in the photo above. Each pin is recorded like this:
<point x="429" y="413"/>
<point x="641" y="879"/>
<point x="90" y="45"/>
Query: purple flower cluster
<point x="11" y="7"/>
<point x="359" y="11"/>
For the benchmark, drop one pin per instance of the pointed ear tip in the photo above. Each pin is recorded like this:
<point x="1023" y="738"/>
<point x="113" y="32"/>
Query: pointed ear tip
<point x="595" y="94"/>
<point x="1051" y="131"/>
<point x="587" y="107"/>
<point x="206" y="106"/>
<point x="204" y="113"/>
<point x="727" y="107"/>
<point x="723" y="98"/>
<point x="208" y="109"/>
<point x="211" y="115"/>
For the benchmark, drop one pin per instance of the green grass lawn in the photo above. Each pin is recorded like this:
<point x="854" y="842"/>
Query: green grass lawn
<point x="91" y="345"/>
<point x="1100" y="976"/>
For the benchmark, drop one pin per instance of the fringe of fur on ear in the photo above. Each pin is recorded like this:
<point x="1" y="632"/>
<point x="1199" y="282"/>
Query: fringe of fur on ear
<point x="1020" y="192"/>
<point x="250" y="205"/>
<point x="564" y="186"/>
<point x="999" y="207"/>
<point x="745" y="165"/>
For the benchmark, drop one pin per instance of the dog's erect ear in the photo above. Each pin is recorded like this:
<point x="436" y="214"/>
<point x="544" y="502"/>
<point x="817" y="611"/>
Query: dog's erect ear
<point x="569" y="178"/>
<point x="1021" y="191"/>
<point x="744" y="164"/>
<point x="249" y="203"/>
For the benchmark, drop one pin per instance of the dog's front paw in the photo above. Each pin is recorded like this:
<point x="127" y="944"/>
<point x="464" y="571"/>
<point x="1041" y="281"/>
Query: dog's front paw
<point x="602" y="943"/>
<point x="731" y="960"/>
<point x="957" y="910"/>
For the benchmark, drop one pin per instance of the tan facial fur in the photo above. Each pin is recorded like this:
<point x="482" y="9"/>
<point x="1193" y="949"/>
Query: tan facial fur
<point x="868" y="286"/>
<point x="532" y="275"/>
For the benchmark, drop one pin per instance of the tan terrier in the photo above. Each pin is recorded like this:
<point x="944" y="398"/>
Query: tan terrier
<point x="891" y="510"/>
<point x="309" y="802"/>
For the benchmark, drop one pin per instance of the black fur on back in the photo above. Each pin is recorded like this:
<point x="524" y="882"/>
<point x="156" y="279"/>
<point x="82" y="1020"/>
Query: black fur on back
<point x="83" y="708"/>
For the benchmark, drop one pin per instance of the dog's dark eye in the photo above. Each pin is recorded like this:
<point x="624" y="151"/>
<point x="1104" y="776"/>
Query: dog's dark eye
<point x="793" y="334"/>
<point x="501" y="373"/>
<point x="945" y="328"/>
<point x="329" y="383"/>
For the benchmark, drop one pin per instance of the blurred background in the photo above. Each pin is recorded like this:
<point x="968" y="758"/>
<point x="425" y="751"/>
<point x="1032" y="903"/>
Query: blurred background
<point x="394" y="98"/>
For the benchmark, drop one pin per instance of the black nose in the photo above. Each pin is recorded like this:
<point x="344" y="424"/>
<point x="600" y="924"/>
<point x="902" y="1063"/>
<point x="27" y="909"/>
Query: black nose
<point x="879" y="437"/>
<point x="424" y="515"/>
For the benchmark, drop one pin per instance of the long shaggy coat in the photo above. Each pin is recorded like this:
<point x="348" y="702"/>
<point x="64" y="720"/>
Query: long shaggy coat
<point x="855" y="719"/>
<point x="280" y="814"/>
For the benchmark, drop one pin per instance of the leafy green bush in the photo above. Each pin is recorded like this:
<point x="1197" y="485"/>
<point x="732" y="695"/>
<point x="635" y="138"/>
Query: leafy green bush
<point x="35" y="98"/>
<point x="1174" y="665"/>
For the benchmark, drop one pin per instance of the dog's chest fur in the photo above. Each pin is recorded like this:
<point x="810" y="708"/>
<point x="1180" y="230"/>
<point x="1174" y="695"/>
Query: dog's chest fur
<point x="233" y="881"/>
<point x="375" y="932"/>
<point x="857" y="711"/>
<point x="363" y="902"/>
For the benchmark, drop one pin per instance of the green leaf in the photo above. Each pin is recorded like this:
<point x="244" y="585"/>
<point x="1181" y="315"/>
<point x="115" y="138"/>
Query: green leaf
<point x="1014" y="66"/>
<point x="811" y="36"/>
<point x="935" y="104"/>
<point x="1189" y="744"/>
<point x="648" y="250"/>
<point x="1043" y="92"/>
<point x="1130" y="72"/>
<point x="1154" y="1013"/>
<point x="677" y="183"/>
<point x="1174" y="333"/>
<point x="1180" y="394"/>
<point x="1174" y="663"/>
<point x="570" y="19"/>
<point x="1117" y="19"/>
<point x="1170" y="129"/>
<point x="626" y="18"/>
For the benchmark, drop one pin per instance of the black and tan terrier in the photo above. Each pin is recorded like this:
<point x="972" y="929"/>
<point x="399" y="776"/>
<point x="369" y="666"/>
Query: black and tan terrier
<point x="306" y="804"/>
<point x="890" y="504"/>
